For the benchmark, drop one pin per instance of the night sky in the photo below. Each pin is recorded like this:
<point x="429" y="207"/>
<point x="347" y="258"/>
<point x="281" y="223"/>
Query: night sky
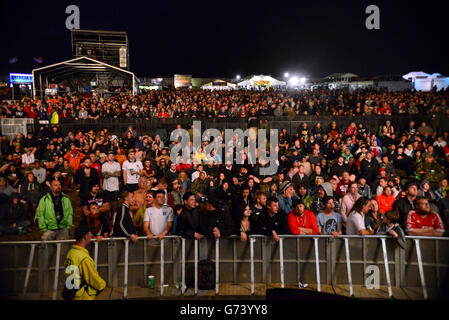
<point x="226" y="38"/>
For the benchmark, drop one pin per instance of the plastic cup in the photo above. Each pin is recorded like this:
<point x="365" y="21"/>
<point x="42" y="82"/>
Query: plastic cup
<point x="151" y="282"/>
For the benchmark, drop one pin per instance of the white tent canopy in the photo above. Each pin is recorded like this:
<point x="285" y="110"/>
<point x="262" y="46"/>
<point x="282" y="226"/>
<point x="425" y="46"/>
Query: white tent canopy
<point x="261" y="81"/>
<point x="425" y="82"/>
<point x="416" y="74"/>
<point x="219" y="85"/>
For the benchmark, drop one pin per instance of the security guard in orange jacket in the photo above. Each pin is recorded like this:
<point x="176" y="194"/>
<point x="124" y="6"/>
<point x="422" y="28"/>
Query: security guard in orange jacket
<point x="82" y="279"/>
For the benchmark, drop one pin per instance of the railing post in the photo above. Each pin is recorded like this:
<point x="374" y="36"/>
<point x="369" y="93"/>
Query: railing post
<point x="317" y="263"/>
<point x="27" y="275"/>
<point x="387" y="269"/>
<point x="162" y="267"/>
<point x="348" y="266"/>
<point x="55" y="283"/>
<point x="183" y="262"/>
<point x="421" y="270"/>
<point x="196" y="266"/>
<point x="125" y="289"/>
<point x="251" y="248"/>
<point x="43" y="268"/>
<point x="217" y="265"/>
<point x="95" y="253"/>
<point x="281" y="260"/>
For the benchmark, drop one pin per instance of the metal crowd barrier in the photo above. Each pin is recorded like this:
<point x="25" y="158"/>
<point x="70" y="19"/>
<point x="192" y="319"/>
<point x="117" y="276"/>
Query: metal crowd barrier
<point x="290" y="250"/>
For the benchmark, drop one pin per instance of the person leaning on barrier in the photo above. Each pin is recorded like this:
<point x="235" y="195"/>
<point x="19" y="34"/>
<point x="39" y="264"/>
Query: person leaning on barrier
<point x="216" y="222"/>
<point x="54" y="214"/>
<point x="158" y="219"/>
<point x="422" y="221"/>
<point x="329" y="221"/>
<point x="271" y="222"/>
<point x="247" y="223"/>
<point x="82" y="279"/>
<point x="391" y="226"/>
<point x="123" y="222"/>
<point x="355" y="225"/>
<point x="189" y="219"/>
<point x="97" y="221"/>
<point x="301" y="221"/>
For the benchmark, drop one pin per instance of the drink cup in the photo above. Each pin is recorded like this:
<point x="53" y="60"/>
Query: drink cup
<point x="151" y="282"/>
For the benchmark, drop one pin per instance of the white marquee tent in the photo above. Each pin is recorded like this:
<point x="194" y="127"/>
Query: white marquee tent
<point x="422" y="81"/>
<point x="261" y="81"/>
<point x="219" y="85"/>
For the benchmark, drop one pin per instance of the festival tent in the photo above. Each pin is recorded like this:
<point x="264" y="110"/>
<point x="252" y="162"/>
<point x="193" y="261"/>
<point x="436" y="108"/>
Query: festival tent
<point x="413" y="75"/>
<point x="422" y="81"/>
<point x="219" y="85"/>
<point x="261" y="81"/>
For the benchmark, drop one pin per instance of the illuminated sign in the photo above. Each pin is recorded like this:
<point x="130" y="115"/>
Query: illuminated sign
<point x="20" y="78"/>
<point x="183" y="81"/>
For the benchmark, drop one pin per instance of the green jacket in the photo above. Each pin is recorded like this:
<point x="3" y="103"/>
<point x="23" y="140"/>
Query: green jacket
<point x="45" y="214"/>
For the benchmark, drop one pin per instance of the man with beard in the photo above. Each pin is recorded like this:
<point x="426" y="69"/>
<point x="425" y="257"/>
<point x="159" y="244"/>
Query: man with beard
<point x="329" y="221"/>
<point x="422" y="221"/>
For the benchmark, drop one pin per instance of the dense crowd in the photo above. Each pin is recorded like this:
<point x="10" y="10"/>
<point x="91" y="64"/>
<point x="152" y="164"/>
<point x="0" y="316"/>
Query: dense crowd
<point x="330" y="180"/>
<point x="227" y="104"/>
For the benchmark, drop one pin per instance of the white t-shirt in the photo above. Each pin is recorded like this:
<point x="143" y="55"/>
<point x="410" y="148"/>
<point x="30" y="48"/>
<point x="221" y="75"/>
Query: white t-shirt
<point x="158" y="218"/>
<point x="111" y="184"/>
<point x="28" y="159"/>
<point x="355" y="223"/>
<point x="132" y="169"/>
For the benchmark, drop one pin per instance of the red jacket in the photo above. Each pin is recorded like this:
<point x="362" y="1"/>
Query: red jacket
<point x="307" y="220"/>
<point x="385" y="203"/>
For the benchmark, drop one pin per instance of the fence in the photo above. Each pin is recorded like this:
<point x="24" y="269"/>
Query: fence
<point x="11" y="127"/>
<point x="312" y="259"/>
<point x="119" y="126"/>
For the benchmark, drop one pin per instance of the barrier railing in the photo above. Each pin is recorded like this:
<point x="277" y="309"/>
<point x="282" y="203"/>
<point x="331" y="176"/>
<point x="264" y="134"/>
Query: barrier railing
<point x="231" y="251"/>
<point x="291" y="124"/>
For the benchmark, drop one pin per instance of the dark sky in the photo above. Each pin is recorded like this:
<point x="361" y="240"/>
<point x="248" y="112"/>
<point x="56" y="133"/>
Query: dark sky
<point x="226" y="38"/>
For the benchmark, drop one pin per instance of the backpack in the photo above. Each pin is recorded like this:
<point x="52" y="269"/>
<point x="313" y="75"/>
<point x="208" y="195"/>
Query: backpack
<point x="206" y="275"/>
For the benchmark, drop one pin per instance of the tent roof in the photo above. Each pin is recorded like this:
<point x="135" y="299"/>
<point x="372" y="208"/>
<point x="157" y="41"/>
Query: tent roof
<point x="415" y="74"/>
<point x="261" y="77"/>
<point x="80" y="64"/>
<point x="342" y="75"/>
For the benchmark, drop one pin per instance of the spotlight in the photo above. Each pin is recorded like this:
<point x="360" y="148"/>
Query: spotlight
<point x="294" y="81"/>
<point x="238" y="77"/>
<point x="303" y="80"/>
<point x="286" y="75"/>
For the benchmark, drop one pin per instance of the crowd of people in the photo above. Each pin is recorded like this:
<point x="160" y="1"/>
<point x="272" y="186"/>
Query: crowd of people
<point x="226" y="104"/>
<point x="330" y="180"/>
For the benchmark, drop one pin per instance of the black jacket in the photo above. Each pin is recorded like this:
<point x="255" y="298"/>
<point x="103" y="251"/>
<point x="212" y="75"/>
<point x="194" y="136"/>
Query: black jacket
<point x="123" y="223"/>
<point x="188" y="223"/>
<point x="219" y="218"/>
<point x="266" y="224"/>
<point x="298" y="181"/>
<point x="403" y="206"/>
<point x="369" y="170"/>
<point x="12" y="213"/>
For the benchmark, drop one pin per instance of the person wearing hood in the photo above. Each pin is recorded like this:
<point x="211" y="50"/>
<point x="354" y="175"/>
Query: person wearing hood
<point x="13" y="215"/>
<point x="324" y="190"/>
<point x="426" y="191"/>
